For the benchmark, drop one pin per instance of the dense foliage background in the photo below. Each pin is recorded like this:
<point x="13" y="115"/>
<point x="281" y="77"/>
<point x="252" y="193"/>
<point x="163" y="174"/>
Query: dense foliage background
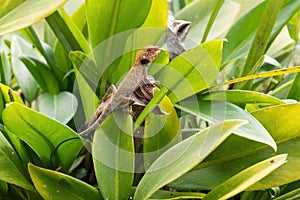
<point x="232" y="98"/>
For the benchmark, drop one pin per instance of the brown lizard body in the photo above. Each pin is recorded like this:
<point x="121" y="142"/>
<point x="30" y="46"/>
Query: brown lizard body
<point x="120" y="97"/>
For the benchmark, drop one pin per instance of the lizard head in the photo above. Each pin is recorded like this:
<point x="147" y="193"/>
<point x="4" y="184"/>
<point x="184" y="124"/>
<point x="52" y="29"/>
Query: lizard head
<point x="146" y="55"/>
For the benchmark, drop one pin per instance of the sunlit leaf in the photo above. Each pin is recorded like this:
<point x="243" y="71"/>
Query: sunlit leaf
<point x="184" y="156"/>
<point x="246" y="178"/>
<point x="18" y="14"/>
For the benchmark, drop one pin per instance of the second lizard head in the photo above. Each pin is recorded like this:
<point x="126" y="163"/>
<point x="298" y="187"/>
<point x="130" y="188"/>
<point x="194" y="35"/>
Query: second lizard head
<point x="146" y="55"/>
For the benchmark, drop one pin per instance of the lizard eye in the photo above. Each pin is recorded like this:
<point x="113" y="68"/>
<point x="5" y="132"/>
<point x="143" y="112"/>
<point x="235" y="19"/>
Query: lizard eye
<point x="145" y="61"/>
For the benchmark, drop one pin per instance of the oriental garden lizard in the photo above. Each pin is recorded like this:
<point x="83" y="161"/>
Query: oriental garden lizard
<point x="121" y="98"/>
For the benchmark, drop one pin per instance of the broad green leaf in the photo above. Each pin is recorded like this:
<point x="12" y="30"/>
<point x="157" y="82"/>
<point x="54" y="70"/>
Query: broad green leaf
<point x="194" y="70"/>
<point x="160" y="132"/>
<point x="55" y="185"/>
<point x="182" y="157"/>
<point x="114" y="16"/>
<point x="246" y="178"/>
<point x="54" y="143"/>
<point x="216" y="111"/>
<point x="18" y="14"/>
<point x="11" y="169"/>
<point x="42" y="74"/>
<point x="237" y="153"/>
<point x="113" y="156"/>
<point x="198" y="13"/>
<point x="242" y="97"/>
<point x="61" y="106"/>
<point x="26" y="81"/>
<point x="158" y="15"/>
<point x="239" y="42"/>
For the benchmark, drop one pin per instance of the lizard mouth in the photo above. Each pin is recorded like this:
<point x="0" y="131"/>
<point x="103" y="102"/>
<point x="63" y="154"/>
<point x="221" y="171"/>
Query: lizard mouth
<point x="156" y="53"/>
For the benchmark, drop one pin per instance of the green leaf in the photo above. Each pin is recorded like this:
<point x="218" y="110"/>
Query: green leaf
<point x="246" y="178"/>
<point x="294" y="194"/>
<point x="3" y="189"/>
<point x="199" y="72"/>
<point x="242" y="97"/>
<point x="11" y="168"/>
<point x="239" y="42"/>
<point x="42" y="74"/>
<point x="216" y="111"/>
<point x="199" y="12"/>
<point x="113" y="156"/>
<point x="15" y="15"/>
<point x="5" y="68"/>
<point x="163" y="194"/>
<point x="83" y="43"/>
<point x="62" y="32"/>
<point x="55" y="144"/>
<point x="7" y="95"/>
<point x="114" y="16"/>
<point x="238" y="153"/>
<point x="160" y="132"/>
<point x="24" y="78"/>
<point x="55" y="185"/>
<point x="182" y="157"/>
<point x="61" y="106"/>
<point x="212" y="18"/>
<point x="294" y="92"/>
<point x="87" y="78"/>
<point x="293" y="27"/>
<point x="261" y="39"/>
<point x="158" y="8"/>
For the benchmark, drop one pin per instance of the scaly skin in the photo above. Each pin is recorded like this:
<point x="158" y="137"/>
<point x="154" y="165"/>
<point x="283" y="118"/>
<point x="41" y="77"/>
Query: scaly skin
<point x="120" y="97"/>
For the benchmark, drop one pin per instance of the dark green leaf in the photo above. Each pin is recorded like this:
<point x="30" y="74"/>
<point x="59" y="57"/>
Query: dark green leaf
<point x="55" y="144"/>
<point x="11" y="169"/>
<point x="55" y="185"/>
